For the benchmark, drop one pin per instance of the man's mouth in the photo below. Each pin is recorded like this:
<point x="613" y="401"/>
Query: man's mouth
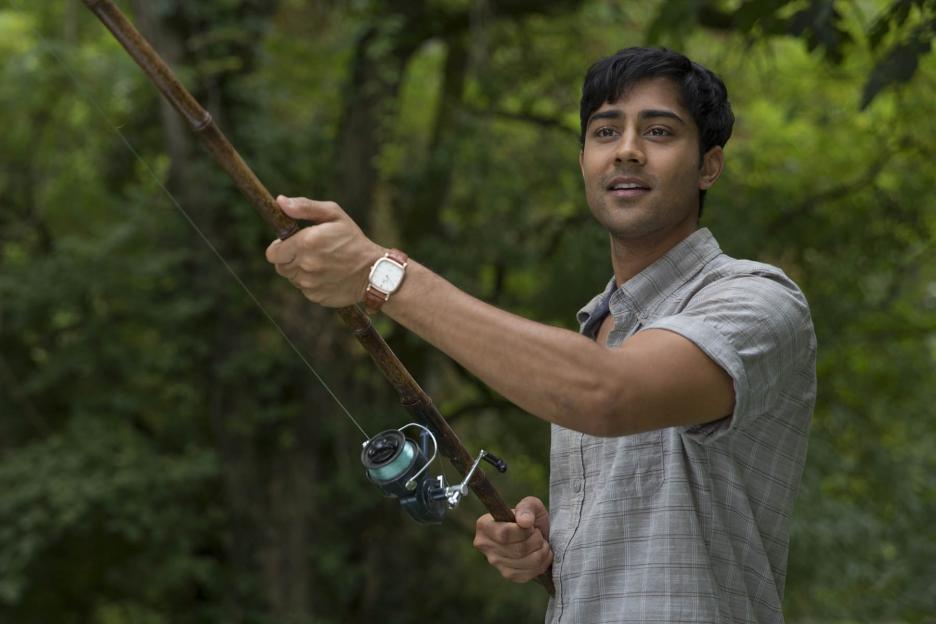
<point x="628" y="187"/>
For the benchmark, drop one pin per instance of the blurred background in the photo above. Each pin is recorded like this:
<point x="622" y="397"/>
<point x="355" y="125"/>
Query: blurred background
<point x="164" y="455"/>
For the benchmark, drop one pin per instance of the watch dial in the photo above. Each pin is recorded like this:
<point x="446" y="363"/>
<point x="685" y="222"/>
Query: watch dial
<point x="387" y="276"/>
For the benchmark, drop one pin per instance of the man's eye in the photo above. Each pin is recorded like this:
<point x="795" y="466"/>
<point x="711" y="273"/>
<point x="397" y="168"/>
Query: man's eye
<point x="658" y="132"/>
<point x="604" y="132"/>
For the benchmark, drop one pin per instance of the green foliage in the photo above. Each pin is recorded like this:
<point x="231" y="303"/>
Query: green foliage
<point x="94" y="514"/>
<point x="836" y="198"/>
<point x="831" y="26"/>
<point x="165" y="457"/>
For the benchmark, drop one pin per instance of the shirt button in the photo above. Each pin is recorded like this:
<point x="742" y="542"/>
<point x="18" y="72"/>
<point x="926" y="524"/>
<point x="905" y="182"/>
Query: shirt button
<point x="577" y="486"/>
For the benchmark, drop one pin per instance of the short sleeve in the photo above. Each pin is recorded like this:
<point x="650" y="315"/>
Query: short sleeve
<point x="757" y="327"/>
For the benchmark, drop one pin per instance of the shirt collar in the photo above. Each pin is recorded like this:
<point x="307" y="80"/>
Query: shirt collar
<point x="643" y="292"/>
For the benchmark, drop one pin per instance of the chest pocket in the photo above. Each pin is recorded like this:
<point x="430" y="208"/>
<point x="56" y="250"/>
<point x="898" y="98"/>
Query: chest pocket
<point x="630" y="466"/>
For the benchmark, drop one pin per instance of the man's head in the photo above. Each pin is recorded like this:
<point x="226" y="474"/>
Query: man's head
<point x="703" y="94"/>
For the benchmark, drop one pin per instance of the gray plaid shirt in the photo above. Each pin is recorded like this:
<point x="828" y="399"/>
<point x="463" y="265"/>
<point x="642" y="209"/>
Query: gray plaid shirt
<point x="690" y="524"/>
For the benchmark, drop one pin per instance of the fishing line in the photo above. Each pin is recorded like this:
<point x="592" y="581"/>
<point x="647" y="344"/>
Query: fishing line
<point x="397" y="464"/>
<point x="175" y="202"/>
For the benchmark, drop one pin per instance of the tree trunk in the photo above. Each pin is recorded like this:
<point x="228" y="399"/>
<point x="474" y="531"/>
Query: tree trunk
<point x="268" y="485"/>
<point x="373" y="86"/>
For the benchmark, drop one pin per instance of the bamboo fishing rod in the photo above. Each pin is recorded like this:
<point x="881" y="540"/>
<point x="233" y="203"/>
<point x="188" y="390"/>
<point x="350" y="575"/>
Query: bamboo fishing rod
<point x="412" y="396"/>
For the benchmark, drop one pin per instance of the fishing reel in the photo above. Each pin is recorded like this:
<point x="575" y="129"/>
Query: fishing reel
<point x="399" y="467"/>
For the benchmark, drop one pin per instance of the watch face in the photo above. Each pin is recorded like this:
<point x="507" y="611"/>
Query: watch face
<point x="386" y="275"/>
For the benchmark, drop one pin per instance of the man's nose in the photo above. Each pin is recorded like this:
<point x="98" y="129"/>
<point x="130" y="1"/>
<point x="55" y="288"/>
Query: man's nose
<point x="630" y="149"/>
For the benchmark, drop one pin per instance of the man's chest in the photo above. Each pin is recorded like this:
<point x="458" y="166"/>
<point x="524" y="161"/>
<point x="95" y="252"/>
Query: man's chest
<point x="614" y="331"/>
<point x="604" y="330"/>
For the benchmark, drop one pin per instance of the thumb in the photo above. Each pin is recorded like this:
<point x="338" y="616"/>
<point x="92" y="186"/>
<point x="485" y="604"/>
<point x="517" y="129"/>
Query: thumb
<point x="310" y="209"/>
<point x="531" y="512"/>
<point x="525" y="517"/>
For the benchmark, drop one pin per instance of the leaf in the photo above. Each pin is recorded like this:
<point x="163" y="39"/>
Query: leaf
<point x="675" y="17"/>
<point x="898" y="66"/>
<point x="820" y="25"/>
<point x="895" y="15"/>
<point x="760" y="12"/>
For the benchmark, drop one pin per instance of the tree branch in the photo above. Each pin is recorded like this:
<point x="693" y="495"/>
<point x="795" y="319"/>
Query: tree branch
<point x="845" y="189"/>
<point x="551" y="123"/>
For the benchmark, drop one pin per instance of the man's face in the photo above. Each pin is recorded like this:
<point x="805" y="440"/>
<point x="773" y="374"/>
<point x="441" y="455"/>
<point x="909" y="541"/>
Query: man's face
<point x="641" y="164"/>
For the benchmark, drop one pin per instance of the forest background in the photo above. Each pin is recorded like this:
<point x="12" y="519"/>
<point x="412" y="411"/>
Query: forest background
<point x="166" y="457"/>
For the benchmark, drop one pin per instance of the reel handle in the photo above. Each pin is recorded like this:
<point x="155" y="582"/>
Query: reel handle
<point x="499" y="464"/>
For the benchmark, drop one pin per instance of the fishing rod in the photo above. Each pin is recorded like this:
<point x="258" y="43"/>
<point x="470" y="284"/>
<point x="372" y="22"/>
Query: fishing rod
<point x="394" y="462"/>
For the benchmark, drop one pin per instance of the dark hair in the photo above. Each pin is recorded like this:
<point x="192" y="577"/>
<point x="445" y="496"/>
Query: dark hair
<point x="704" y="94"/>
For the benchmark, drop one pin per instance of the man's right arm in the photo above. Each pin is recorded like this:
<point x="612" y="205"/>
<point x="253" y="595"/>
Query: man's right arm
<point x="655" y="379"/>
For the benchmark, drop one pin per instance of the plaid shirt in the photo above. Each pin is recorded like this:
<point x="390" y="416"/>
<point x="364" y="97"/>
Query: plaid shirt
<point x="690" y="524"/>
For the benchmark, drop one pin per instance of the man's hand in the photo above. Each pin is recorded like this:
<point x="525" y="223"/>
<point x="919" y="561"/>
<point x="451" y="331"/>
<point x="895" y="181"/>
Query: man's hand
<point x="328" y="261"/>
<point x="520" y="551"/>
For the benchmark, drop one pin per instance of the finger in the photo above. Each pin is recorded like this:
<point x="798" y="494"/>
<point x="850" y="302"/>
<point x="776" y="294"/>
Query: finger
<point x="303" y="281"/>
<point x="481" y="540"/>
<point x="483" y="522"/>
<point x="520" y="550"/>
<point x="508" y="533"/>
<point x="521" y="571"/>
<point x="310" y="209"/>
<point x="286" y="271"/>
<point x="487" y="528"/>
<point x="535" y="561"/>
<point x="514" y="550"/>
<point x="491" y="536"/>
<point x="311" y="295"/>
<point x="280" y="252"/>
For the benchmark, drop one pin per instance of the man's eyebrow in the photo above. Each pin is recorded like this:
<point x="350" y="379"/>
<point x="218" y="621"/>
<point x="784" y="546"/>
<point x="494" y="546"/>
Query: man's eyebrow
<point x="651" y="113"/>
<point x="611" y="113"/>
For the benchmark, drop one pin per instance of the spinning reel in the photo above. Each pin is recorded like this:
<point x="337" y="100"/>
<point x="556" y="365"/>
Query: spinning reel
<point x="399" y="467"/>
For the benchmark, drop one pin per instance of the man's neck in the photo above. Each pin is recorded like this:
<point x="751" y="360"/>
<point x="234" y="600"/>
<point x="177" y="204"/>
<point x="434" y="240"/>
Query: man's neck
<point x="631" y="256"/>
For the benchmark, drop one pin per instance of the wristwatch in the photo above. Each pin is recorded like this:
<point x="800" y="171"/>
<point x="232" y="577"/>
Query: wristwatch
<point x="385" y="278"/>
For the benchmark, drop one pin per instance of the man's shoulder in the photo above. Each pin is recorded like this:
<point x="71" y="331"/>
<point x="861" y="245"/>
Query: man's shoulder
<point x="724" y="266"/>
<point x="731" y="273"/>
<point x="741" y="294"/>
<point x="705" y="267"/>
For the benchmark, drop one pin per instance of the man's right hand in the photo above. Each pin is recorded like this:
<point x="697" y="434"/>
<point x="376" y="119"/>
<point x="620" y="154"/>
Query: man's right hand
<point x="519" y="550"/>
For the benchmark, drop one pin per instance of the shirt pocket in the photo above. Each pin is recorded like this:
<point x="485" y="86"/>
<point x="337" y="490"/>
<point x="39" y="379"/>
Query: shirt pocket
<point x="631" y="466"/>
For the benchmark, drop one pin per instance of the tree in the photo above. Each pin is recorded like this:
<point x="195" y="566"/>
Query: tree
<point x="166" y="457"/>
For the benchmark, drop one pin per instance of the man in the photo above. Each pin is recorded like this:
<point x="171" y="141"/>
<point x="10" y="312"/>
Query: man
<point x="680" y="412"/>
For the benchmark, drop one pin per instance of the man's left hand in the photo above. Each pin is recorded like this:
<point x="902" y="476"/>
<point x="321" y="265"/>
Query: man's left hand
<point x="328" y="261"/>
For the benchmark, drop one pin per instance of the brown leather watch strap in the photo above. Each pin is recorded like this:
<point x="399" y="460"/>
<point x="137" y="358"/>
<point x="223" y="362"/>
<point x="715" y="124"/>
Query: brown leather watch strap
<point x="374" y="298"/>
<point x="398" y="256"/>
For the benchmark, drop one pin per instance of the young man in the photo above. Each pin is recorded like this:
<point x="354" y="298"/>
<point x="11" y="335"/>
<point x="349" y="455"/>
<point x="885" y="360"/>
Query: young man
<point x="680" y="411"/>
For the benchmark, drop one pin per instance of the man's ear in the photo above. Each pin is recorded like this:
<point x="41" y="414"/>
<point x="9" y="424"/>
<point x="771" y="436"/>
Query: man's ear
<point x="712" y="163"/>
<point x="582" y="162"/>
